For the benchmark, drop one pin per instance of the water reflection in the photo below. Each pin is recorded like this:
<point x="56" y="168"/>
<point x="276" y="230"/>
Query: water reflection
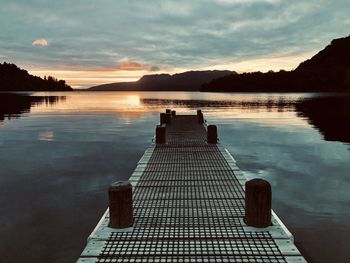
<point x="280" y="104"/>
<point x="12" y="105"/>
<point x="46" y="136"/>
<point x="72" y="145"/>
<point x="330" y="115"/>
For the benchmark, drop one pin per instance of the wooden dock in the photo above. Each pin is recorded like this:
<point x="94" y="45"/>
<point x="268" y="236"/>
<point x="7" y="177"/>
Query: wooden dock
<point x="188" y="201"/>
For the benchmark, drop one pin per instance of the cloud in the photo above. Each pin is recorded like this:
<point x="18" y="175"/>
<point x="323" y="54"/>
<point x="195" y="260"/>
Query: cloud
<point x="178" y="34"/>
<point x="40" y="42"/>
<point x="126" y="65"/>
<point x="136" y="66"/>
<point x="154" y="68"/>
<point x="131" y="66"/>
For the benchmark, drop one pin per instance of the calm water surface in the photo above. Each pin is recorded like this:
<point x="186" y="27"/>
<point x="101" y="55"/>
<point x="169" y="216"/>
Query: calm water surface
<point x="60" y="151"/>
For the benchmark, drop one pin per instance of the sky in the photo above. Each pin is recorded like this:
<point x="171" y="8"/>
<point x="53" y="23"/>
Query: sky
<point x="91" y="42"/>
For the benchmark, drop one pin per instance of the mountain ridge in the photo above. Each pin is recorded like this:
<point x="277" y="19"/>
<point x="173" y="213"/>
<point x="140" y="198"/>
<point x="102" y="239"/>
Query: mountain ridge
<point x="327" y="71"/>
<point x="185" y="81"/>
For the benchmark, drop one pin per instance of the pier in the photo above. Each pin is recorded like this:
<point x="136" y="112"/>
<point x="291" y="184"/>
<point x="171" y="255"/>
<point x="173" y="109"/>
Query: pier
<point x="187" y="201"/>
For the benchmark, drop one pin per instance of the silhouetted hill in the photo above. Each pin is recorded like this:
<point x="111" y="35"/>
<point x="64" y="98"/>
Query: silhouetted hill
<point x="186" y="81"/>
<point x="327" y="71"/>
<point x="13" y="78"/>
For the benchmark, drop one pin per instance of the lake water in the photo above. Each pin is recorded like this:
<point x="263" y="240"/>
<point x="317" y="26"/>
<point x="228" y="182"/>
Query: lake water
<point x="60" y="151"/>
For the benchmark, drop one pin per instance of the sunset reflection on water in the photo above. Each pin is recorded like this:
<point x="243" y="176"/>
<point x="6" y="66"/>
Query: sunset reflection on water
<point x="62" y="150"/>
<point x="272" y="109"/>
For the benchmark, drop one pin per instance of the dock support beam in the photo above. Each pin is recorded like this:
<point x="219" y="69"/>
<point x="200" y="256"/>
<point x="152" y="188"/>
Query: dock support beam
<point x="258" y="197"/>
<point x="120" y="205"/>
<point x="160" y="134"/>
<point x="212" y="134"/>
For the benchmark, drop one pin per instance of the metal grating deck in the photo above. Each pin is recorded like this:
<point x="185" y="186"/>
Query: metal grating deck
<point x="188" y="207"/>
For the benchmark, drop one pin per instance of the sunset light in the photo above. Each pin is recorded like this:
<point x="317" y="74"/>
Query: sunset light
<point x="174" y="131"/>
<point x="87" y="78"/>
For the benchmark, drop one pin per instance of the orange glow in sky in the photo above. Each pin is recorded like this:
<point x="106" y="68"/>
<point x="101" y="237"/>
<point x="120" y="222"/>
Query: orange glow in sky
<point x="79" y="79"/>
<point x="132" y="71"/>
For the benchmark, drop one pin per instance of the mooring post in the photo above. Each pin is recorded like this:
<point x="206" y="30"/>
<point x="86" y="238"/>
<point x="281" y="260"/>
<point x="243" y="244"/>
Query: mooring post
<point x="212" y="134"/>
<point x="258" y="198"/>
<point x="168" y="111"/>
<point x="160" y="134"/>
<point x="168" y="118"/>
<point x="120" y="205"/>
<point x="173" y="113"/>
<point x="200" y="118"/>
<point x="162" y="118"/>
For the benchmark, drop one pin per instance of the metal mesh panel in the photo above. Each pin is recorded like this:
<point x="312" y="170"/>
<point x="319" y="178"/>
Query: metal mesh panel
<point x="180" y="222"/>
<point x="244" y="249"/>
<point x="187" y="183"/>
<point x="188" y="207"/>
<point x="187" y="157"/>
<point x="198" y="192"/>
<point x="180" y="168"/>
<point x="182" y="174"/>
<point x="185" y="131"/>
<point x="189" y="203"/>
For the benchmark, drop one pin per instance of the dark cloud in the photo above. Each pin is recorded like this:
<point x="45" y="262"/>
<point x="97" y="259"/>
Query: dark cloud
<point x="154" y="68"/>
<point x="170" y="33"/>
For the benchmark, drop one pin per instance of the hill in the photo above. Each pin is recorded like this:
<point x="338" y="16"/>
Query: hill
<point x="327" y="71"/>
<point x="12" y="78"/>
<point x="186" y="81"/>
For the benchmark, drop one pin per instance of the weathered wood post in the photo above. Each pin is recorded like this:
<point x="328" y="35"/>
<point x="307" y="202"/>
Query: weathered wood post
<point x="168" y="118"/>
<point x="162" y="118"/>
<point x="212" y="134"/>
<point x="168" y="111"/>
<point x="173" y="113"/>
<point x="258" y="198"/>
<point x="200" y="116"/>
<point x="120" y="205"/>
<point x="160" y="134"/>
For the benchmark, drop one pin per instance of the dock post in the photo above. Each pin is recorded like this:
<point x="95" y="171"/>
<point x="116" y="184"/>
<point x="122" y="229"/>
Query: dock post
<point x="160" y="134"/>
<point x="168" y="118"/>
<point x="200" y="118"/>
<point x="258" y="197"/>
<point x="120" y="205"/>
<point x="173" y="113"/>
<point x="212" y="134"/>
<point x="162" y="118"/>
